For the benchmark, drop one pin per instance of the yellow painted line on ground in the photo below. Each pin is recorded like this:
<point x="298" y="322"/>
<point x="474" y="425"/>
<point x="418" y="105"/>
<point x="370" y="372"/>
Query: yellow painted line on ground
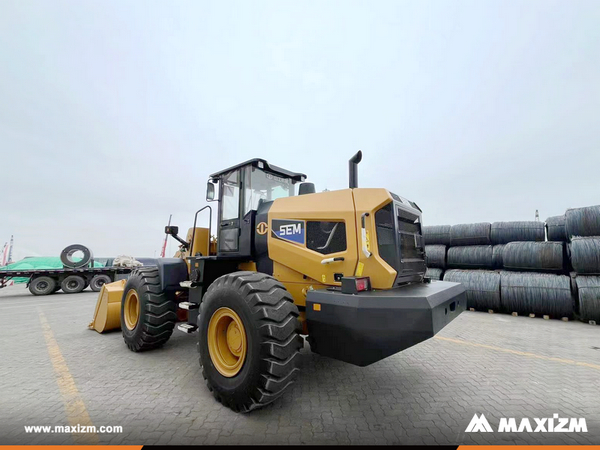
<point x="74" y="405"/>
<point x="520" y="353"/>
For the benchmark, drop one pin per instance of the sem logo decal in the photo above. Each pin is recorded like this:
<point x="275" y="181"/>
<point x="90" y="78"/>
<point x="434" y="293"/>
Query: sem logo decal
<point x="262" y="228"/>
<point x="289" y="230"/>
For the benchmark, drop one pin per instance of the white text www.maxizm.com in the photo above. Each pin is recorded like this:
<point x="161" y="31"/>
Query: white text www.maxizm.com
<point x="72" y="429"/>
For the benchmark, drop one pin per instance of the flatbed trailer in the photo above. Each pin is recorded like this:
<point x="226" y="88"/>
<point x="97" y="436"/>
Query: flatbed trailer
<point x="70" y="280"/>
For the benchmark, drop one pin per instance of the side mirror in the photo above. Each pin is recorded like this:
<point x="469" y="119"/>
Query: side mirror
<point x="172" y="230"/>
<point x="210" y="192"/>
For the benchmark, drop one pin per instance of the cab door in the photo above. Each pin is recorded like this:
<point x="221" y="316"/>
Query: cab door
<point x="229" y="213"/>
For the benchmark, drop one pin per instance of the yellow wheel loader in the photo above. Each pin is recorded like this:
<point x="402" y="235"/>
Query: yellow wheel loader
<point x="345" y="268"/>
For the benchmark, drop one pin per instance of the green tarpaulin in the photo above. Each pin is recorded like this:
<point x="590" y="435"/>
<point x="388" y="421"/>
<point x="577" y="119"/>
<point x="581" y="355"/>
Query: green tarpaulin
<point x="43" y="262"/>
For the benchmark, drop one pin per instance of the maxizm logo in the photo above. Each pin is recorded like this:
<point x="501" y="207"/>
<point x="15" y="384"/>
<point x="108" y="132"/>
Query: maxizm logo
<point x="554" y="424"/>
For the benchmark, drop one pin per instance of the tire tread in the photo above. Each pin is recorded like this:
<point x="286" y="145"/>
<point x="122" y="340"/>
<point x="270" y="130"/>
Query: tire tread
<point x="159" y="314"/>
<point x="276" y="317"/>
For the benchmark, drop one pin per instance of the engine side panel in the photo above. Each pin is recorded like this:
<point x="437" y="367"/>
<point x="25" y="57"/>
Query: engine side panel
<point x="368" y="201"/>
<point x="287" y="237"/>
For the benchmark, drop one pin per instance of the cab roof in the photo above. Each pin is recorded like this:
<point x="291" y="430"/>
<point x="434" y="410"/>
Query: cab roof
<point x="264" y="165"/>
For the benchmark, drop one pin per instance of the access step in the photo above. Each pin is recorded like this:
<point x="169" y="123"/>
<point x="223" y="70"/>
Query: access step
<point x="189" y="305"/>
<point x="187" y="327"/>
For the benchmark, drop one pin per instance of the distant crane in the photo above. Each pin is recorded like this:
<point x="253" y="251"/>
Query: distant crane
<point x="12" y="241"/>
<point x="164" y="248"/>
<point x="4" y="254"/>
<point x="5" y="260"/>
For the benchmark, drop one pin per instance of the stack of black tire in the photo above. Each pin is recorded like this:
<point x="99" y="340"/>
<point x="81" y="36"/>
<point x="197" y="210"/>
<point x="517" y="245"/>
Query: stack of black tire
<point x="582" y="231"/>
<point x="511" y="267"/>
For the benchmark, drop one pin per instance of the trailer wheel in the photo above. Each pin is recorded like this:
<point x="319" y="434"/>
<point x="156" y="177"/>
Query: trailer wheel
<point x="147" y="315"/>
<point x="42" y="285"/>
<point x="98" y="281"/>
<point x="249" y="340"/>
<point x="72" y="284"/>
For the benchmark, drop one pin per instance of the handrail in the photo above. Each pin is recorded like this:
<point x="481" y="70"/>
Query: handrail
<point x="209" y="228"/>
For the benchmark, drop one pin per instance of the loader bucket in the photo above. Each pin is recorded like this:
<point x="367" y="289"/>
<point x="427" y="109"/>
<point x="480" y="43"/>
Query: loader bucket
<point x="108" y="308"/>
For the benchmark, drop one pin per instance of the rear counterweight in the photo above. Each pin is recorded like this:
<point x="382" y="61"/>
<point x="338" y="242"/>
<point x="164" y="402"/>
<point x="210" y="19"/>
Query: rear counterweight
<point x="364" y="328"/>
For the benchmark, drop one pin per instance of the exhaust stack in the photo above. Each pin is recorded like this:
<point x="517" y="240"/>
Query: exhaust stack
<point x="353" y="167"/>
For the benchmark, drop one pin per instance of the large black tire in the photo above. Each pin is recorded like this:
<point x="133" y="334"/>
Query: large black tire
<point x="67" y="254"/>
<point x="272" y="329"/>
<point x="98" y="281"/>
<point x="73" y="284"/>
<point x="157" y="314"/>
<point x="42" y="286"/>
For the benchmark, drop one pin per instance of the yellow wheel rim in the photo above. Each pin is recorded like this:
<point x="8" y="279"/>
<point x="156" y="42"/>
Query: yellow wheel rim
<point x="227" y="343"/>
<point x="131" y="309"/>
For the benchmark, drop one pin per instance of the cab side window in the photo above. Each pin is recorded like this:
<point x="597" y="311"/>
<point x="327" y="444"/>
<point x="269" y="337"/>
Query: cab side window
<point x="231" y="196"/>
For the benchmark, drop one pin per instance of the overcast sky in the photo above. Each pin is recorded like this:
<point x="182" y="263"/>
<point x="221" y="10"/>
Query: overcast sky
<point x="113" y="113"/>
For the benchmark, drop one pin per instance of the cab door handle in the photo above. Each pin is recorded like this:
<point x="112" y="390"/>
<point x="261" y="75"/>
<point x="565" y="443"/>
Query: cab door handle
<point x="330" y="260"/>
<point x="365" y="235"/>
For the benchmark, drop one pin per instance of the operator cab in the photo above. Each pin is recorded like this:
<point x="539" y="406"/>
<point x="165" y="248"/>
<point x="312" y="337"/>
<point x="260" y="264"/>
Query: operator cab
<point x="244" y="190"/>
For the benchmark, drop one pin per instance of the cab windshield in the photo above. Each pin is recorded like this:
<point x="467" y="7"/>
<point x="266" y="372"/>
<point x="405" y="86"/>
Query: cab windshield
<point x="261" y="185"/>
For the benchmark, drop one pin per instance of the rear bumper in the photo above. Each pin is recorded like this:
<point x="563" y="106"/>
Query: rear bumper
<point x="364" y="328"/>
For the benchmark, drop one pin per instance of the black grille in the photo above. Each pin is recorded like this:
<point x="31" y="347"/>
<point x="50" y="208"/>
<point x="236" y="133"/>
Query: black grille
<point x="411" y="241"/>
<point x="399" y="240"/>
<point x="409" y="247"/>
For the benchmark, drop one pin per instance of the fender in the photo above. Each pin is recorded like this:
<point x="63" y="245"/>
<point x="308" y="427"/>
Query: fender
<point x="172" y="271"/>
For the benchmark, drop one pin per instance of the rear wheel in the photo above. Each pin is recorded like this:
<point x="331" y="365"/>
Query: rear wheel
<point x="147" y="315"/>
<point x="42" y="286"/>
<point x="72" y="284"/>
<point x="249" y="340"/>
<point x="98" y="281"/>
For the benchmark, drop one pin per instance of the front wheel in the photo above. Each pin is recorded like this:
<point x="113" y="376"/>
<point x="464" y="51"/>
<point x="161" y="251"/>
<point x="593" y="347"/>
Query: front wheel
<point x="249" y="340"/>
<point x="147" y="315"/>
